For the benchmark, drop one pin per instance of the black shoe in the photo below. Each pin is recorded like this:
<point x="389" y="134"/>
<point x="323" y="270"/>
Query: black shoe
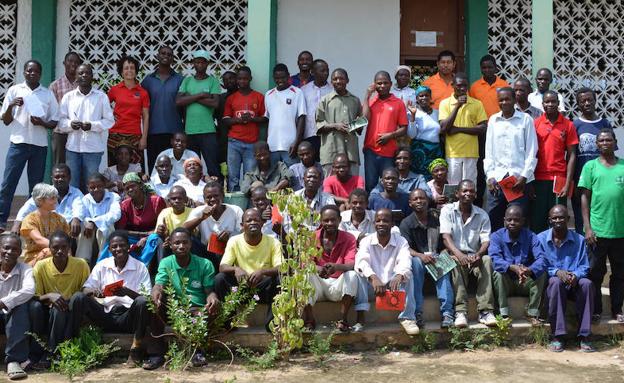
<point x="153" y="362"/>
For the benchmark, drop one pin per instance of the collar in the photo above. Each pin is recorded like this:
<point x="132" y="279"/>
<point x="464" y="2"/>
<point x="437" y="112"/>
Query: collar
<point x="473" y="211"/>
<point x="517" y="114"/>
<point x="417" y="223"/>
<point x="67" y="80"/>
<point x="156" y="179"/>
<point x="92" y="91"/>
<point x="107" y="195"/>
<point x="521" y="236"/>
<point x="406" y="87"/>
<point x="410" y="176"/>
<point x="469" y="100"/>
<point x="56" y="271"/>
<point x="25" y="86"/>
<point x="17" y="269"/>
<point x="569" y="237"/>
<point x="123" y="85"/>
<point x="171" y="73"/>
<point x="178" y="267"/>
<point x="334" y="94"/>
<point x="130" y="265"/>
<point x="391" y="242"/>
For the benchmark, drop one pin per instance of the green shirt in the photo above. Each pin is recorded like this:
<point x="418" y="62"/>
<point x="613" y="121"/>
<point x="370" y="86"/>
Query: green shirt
<point x="607" y="201"/>
<point x="200" y="274"/>
<point x="199" y="118"/>
<point x="334" y="108"/>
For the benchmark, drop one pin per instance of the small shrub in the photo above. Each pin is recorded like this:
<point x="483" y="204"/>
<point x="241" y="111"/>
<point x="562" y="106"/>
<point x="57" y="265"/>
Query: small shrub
<point x="461" y="339"/>
<point x="256" y="361"/>
<point x="425" y="341"/>
<point x="539" y="335"/>
<point x="501" y="334"/>
<point x="320" y="347"/>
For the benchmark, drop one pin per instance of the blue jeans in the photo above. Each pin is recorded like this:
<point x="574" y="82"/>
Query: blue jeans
<point x="239" y="153"/>
<point x="444" y="289"/>
<point x="365" y="289"/>
<point x="374" y="165"/>
<point x="283" y="156"/>
<point x="17" y="157"/>
<point x="16" y="325"/>
<point x="497" y="204"/>
<point x="82" y="165"/>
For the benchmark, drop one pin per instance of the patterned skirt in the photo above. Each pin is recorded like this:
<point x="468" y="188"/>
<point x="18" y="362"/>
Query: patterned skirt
<point x="423" y="152"/>
<point x="132" y="140"/>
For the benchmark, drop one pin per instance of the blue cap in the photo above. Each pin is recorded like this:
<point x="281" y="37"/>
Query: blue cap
<point x="201" y="54"/>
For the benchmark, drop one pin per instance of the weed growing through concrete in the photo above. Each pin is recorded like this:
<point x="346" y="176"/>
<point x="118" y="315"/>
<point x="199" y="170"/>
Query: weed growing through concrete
<point x="539" y="335"/>
<point x="320" y="347"/>
<point x="425" y="342"/>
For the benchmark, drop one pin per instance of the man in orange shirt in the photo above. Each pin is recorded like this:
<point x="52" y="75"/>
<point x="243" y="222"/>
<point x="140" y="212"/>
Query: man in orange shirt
<point x="484" y="89"/>
<point x="440" y="83"/>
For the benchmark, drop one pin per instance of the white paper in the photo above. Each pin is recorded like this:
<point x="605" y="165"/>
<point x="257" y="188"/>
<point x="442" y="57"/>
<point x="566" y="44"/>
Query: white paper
<point x="33" y="106"/>
<point x="426" y="39"/>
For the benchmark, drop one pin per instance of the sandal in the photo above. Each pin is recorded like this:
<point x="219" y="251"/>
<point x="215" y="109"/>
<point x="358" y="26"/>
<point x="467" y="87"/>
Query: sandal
<point x="153" y="362"/>
<point x="343" y="326"/>
<point x="586" y="346"/>
<point x="198" y="360"/>
<point x="534" y="321"/>
<point x="555" y="346"/>
<point x="15" y="371"/>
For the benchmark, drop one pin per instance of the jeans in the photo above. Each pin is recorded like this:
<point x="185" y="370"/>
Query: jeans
<point x="497" y="204"/>
<point x="365" y="289"/>
<point x="16" y="325"/>
<point x="283" y="156"/>
<point x="17" y="157"/>
<point x="558" y="294"/>
<point x="374" y="165"/>
<point x="82" y="165"/>
<point x="206" y="144"/>
<point x="444" y="289"/>
<point x="239" y="153"/>
<point x="610" y="248"/>
<point x="506" y="284"/>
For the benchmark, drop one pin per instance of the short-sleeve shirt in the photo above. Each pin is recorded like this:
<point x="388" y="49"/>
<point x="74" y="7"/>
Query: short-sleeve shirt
<point x="172" y="220"/>
<point x="606" y="214"/>
<point x="552" y="141"/>
<point x="45" y="227"/>
<point x="164" y="114"/>
<point x="265" y="255"/>
<point x="587" y="150"/>
<point x="467" y="236"/>
<point x="462" y="145"/>
<point x="334" y="187"/>
<point x="230" y="220"/>
<point x="486" y="93"/>
<point x="276" y="174"/>
<point x="377" y="201"/>
<point x="334" y="108"/>
<point x="129" y="105"/>
<point x="440" y="89"/>
<point x="200" y="273"/>
<point x="282" y="108"/>
<point x="140" y="219"/>
<point x="343" y="252"/>
<point x="199" y="118"/>
<point x="385" y="117"/>
<point x="238" y="104"/>
<point x="48" y="279"/>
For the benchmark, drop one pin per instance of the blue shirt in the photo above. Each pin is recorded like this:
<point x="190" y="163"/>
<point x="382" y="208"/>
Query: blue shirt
<point x="104" y="213"/>
<point x="70" y="206"/>
<point x="401" y="202"/>
<point x="295" y="80"/>
<point x="525" y="250"/>
<point x="571" y="256"/>
<point x="587" y="132"/>
<point x="407" y="184"/>
<point x="298" y="171"/>
<point x="164" y="115"/>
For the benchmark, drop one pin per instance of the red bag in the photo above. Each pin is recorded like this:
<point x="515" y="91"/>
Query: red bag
<point x="390" y="301"/>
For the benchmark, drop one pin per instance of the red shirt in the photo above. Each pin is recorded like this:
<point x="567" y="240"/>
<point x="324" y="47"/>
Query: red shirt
<point x="140" y="220"/>
<point x="553" y="141"/>
<point x="342" y="253"/>
<point x="333" y="186"/>
<point x="128" y="111"/>
<point x="385" y="117"/>
<point x="235" y="106"/>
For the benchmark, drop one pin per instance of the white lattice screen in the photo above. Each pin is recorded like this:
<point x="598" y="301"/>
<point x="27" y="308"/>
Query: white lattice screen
<point x="509" y="36"/>
<point x="8" y="44"/>
<point x="102" y="31"/>
<point x="588" y="45"/>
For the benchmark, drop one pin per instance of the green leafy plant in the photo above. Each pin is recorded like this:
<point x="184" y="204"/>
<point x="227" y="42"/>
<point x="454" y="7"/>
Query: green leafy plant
<point x="320" y="347"/>
<point x="501" y="333"/>
<point x="425" y="341"/>
<point x="260" y="361"/>
<point x="385" y="349"/>
<point x="539" y="335"/>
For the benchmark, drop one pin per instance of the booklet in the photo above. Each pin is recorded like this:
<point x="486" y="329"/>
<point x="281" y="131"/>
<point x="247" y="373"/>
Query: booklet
<point x="358" y="123"/>
<point x="109" y="290"/>
<point x="390" y="301"/>
<point x="444" y="264"/>
<point x="449" y="192"/>
<point x="559" y="183"/>
<point x="506" y="185"/>
<point x="215" y="245"/>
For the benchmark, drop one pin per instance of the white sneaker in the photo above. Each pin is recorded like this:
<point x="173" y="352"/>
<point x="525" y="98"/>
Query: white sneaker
<point x="460" y="320"/>
<point x="487" y="318"/>
<point x="410" y="326"/>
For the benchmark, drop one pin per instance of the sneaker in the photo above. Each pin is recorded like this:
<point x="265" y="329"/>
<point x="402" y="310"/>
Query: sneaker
<point x="358" y="327"/>
<point x="460" y="320"/>
<point x="487" y="318"/>
<point x="447" y="321"/>
<point x="419" y="320"/>
<point x="410" y="326"/>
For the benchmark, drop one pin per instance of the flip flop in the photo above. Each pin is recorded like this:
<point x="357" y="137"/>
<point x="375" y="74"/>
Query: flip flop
<point x="15" y="371"/>
<point x="555" y="346"/>
<point x="343" y="326"/>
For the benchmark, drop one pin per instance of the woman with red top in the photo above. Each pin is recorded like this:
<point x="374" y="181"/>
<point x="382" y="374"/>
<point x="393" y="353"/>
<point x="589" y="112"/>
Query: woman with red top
<point x="131" y="112"/>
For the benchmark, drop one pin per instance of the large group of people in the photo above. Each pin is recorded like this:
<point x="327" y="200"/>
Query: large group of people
<point x="472" y="176"/>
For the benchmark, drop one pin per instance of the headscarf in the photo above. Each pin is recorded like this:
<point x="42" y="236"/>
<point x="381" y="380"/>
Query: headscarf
<point x="421" y="89"/>
<point x="191" y="160"/>
<point x="437" y="162"/>
<point x="134" y="177"/>
<point x="400" y="67"/>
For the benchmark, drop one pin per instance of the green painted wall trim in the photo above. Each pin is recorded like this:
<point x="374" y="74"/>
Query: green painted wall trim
<point x="476" y="13"/>
<point x="543" y="33"/>
<point x="261" y="41"/>
<point x="43" y="38"/>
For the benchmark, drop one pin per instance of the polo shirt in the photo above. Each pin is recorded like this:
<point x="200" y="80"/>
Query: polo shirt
<point x="172" y="220"/>
<point x="49" y="280"/>
<point x="467" y="236"/>
<point x="343" y="252"/>
<point x="462" y="145"/>
<point x="587" y="149"/>
<point x="199" y="118"/>
<point x="200" y="275"/>
<point x="230" y="220"/>
<point x="440" y="89"/>
<point x="265" y="255"/>
<point x="164" y="114"/>
<point x="134" y="276"/>
<point x="238" y="104"/>
<point x="486" y="93"/>
<point x="385" y="117"/>
<point x="333" y="186"/>
<point x="553" y="140"/>
<point x="129" y="105"/>
<point x="335" y="108"/>
<point x="282" y="108"/>
<point x="525" y="250"/>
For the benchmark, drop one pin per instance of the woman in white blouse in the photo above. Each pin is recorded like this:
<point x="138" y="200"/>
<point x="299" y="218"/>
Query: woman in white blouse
<point x="424" y="130"/>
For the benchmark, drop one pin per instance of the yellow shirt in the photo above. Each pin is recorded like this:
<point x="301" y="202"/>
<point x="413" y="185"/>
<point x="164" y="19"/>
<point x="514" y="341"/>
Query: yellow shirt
<point x="171" y="220"/>
<point x="266" y="255"/>
<point x="49" y="280"/>
<point x="462" y="145"/>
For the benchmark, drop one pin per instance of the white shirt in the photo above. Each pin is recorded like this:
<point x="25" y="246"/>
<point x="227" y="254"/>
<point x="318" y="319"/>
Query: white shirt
<point x="104" y="213"/>
<point x="425" y="126"/>
<point x="92" y="107"/>
<point x="70" y="206"/>
<point x="282" y="108"/>
<point x="535" y="99"/>
<point x="467" y="236"/>
<point x="384" y="262"/>
<point x="17" y="287"/>
<point x="134" y="275"/>
<point x="367" y="226"/>
<point x="510" y="146"/>
<point x="177" y="167"/>
<point x="194" y="192"/>
<point x="161" y="188"/>
<point x="230" y="221"/>
<point x="313" y="94"/>
<point x="22" y="130"/>
<point x="406" y="94"/>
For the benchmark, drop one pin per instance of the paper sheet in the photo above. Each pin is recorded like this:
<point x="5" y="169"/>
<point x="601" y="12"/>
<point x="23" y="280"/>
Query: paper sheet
<point x="33" y="106"/>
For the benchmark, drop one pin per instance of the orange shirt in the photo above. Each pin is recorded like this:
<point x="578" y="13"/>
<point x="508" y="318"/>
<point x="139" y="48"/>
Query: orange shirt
<point x="439" y="89"/>
<point x="486" y="93"/>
